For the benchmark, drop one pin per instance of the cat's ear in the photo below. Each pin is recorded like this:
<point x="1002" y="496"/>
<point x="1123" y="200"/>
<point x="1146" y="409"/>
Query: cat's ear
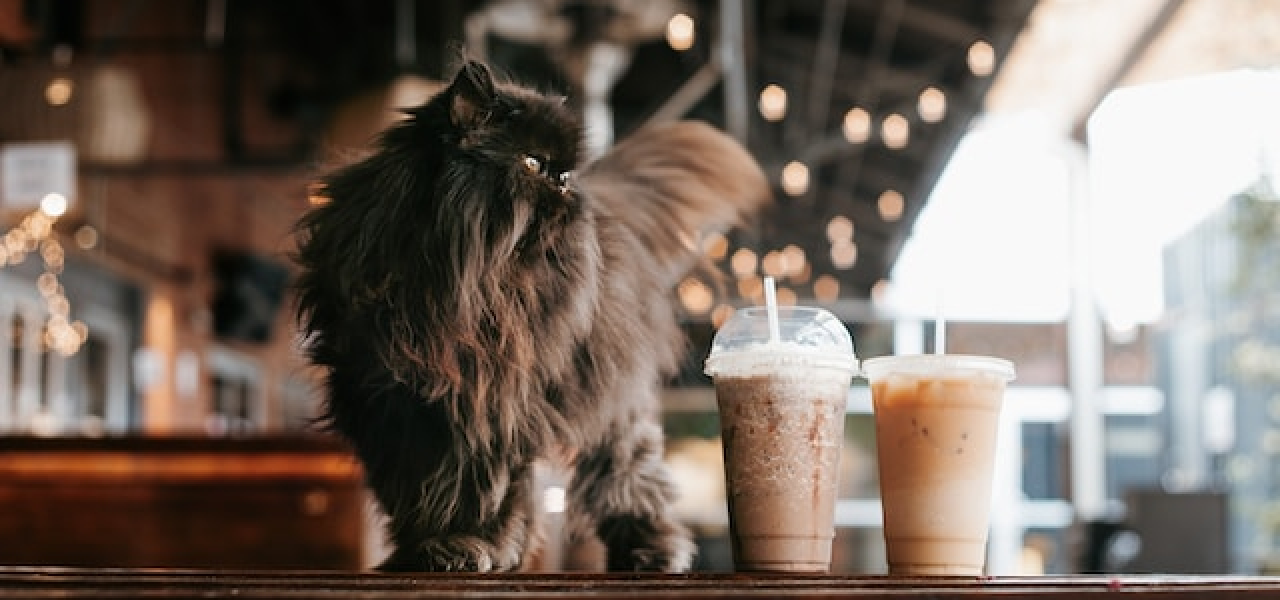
<point x="472" y="95"/>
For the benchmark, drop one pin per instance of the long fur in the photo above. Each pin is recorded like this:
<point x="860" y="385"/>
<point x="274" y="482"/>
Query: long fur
<point x="480" y="304"/>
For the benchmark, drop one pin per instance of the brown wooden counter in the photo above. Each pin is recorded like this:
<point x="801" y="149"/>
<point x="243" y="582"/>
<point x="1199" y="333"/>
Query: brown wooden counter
<point x="37" y="582"/>
<point x="257" y="502"/>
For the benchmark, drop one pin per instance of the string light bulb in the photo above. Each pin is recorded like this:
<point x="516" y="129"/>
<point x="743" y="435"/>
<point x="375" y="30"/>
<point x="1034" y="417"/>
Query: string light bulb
<point x="772" y="264"/>
<point x="795" y="178"/>
<point x="696" y="296"/>
<point x="932" y="105"/>
<point x="743" y="262"/>
<point x="839" y="228"/>
<point x="773" y="102"/>
<point x="59" y="91"/>
<point x="786" y="296"/>
<point x="86" y="237"/>
<point x="895" y="131"/>
<point x="795" y="260"/>
<point x="715" y="246"/>
<point x="844" y="254"/>
<point x="826" y="289"/>
<point x="35" y="234"/>
<point x="982" y="58"/>
<point x="891" y="204"/>
<point x="721" y="314"/>
<point x="681" y="32"/>
<point x="53" y="205"/>
<point x="857" y="125"/>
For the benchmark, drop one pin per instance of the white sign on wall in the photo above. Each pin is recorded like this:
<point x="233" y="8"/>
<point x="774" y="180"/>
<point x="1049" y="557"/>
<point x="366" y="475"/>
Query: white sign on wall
<point x="31" y="170"/>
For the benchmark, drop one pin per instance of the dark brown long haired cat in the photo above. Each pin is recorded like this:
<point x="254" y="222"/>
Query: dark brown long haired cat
<point x="479" y="303"/>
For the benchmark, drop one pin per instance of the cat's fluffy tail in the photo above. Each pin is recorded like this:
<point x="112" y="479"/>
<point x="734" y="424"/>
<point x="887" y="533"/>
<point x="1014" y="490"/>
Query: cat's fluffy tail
<point x="671" y="183"/>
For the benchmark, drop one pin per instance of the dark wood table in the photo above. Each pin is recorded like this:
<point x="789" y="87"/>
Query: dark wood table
<point x="47" y="582"/>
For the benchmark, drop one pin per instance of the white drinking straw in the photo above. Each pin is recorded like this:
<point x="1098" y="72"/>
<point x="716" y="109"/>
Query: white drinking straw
<point x="771" y="307"/>
<point x="940" y="325"/>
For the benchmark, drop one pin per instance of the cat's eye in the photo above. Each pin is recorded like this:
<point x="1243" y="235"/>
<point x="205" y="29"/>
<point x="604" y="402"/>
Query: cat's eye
<point x="563" y="179"/>
<point x="532" y="164"/>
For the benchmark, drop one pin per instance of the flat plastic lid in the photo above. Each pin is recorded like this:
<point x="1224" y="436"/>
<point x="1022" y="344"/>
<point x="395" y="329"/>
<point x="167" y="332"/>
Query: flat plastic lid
<point x="807" y="336"/>
<point x="936" y="364"/>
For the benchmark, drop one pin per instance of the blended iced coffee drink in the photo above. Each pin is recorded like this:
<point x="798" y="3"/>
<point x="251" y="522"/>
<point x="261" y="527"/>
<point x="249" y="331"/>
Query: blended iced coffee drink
<point x="936" y="427"/>
<point x="782" y="406"/>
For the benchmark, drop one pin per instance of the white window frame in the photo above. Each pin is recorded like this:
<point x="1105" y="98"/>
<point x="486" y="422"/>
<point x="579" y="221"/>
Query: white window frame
<point x="21" y="411"/>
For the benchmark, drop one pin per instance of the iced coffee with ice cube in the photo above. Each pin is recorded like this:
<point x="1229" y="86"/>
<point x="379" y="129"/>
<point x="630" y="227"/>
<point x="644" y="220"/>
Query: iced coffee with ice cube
<point x="936" y="419"/>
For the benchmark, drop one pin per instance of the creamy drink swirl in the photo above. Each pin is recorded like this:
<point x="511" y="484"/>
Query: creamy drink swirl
<point x="782" y="406"/>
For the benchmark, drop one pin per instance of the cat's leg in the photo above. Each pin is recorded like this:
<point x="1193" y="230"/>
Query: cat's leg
<point x="450" y="505"/>
<point x="466" y="519"/>
<point x="623" y="491"/>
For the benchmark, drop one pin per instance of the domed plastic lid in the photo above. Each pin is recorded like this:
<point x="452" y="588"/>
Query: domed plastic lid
<point x="806" y="336"/>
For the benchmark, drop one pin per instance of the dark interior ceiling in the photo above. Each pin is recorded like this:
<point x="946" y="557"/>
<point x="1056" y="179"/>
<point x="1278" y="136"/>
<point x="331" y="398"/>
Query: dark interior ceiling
<point x="830" y="56"/>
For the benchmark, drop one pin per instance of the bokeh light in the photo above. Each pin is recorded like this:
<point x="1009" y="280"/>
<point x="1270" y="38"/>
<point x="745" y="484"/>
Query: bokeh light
<point x="932" y="105"/>
<point x="773" y="102"/>
<point x="795" y="178"/>
<point x="681" y="32"/>
<point x="857" y="125"/>
<point x="844" y="254"/>
<point x="982" y="58"/>
<point x="891" y="204"/>
<point x="895" y="131"/>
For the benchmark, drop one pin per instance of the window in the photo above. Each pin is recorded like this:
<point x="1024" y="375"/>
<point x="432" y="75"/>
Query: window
<point x="46" y="393"/>
<point x="238" y="406"/>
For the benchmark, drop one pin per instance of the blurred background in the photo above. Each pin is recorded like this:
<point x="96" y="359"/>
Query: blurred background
<point x="1085" y="187"/>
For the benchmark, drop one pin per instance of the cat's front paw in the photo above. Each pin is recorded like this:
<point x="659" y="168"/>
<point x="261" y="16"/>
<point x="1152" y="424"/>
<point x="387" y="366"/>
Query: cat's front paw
<point x="638" y="544"/>
<point x="458" y="553"/>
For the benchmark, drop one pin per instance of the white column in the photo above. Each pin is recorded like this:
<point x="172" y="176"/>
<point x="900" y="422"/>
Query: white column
<point x="1084" y="350"/>
<point x="1004" y="547"/>
<point x="908" y="336"/>
<point x="1189" y="383"/>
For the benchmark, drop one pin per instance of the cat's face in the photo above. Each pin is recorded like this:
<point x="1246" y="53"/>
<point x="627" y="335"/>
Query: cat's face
<point x="512" y="159"/>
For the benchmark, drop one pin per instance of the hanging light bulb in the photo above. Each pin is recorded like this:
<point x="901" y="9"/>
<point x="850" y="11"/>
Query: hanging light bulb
<point x="857" y="125"/>
<point x="59" y="90"/>
<point x="795" y="178"/>
<point x="839" y="228"/>
<point x="826" y="289"/>
<point x="54" y="204"/>
<point x="696" y="296"/>
<point x="721" y="314"/>
<point x="895" y="131"/>
<point x="890" y="205"/>
<point x="773" y="102"/>
<point x="844" y="254"/>
<point x="35" y="234"/>
<point x="715" y="246"/>
<point x="743" y="262"/>
<point x="795" y="260"/>
<point x="681" y="32"/>
<point x="982" y="58"/>
<point x="932" y="105"/>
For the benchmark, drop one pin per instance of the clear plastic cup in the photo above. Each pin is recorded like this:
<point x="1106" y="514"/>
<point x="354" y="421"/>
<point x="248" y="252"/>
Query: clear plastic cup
<point x="936" y="423"/>
<point x="782" y="410"/>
